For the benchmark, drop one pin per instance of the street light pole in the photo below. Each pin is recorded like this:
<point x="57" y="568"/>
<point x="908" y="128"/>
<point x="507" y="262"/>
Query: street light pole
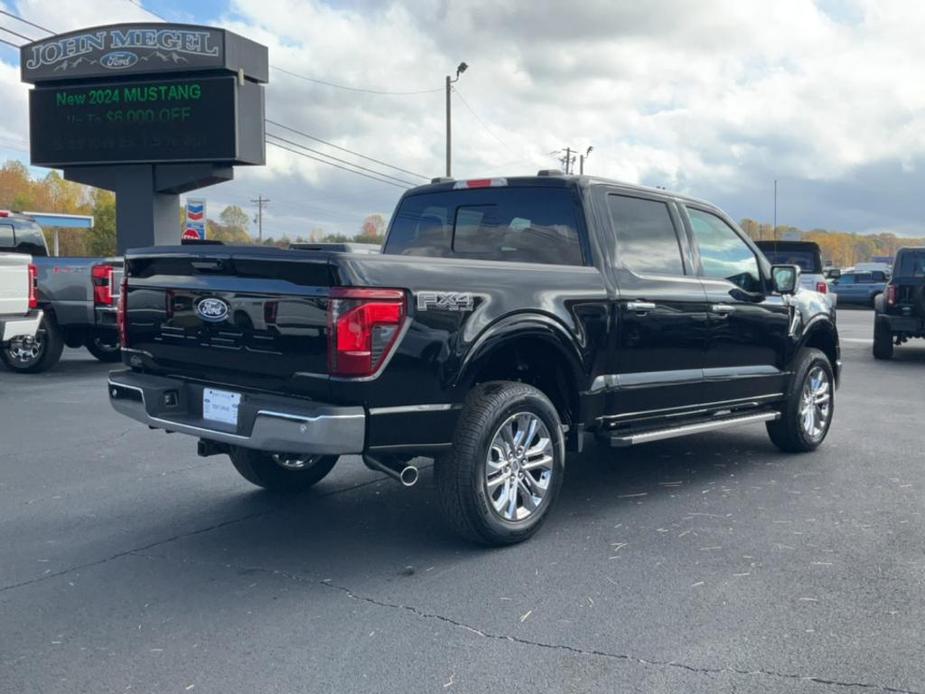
<point x="461" y="68"/>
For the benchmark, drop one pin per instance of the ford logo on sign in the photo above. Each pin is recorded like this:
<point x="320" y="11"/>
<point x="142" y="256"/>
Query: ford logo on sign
<point x="212" y="310"/>
<point x="118" y="60"/>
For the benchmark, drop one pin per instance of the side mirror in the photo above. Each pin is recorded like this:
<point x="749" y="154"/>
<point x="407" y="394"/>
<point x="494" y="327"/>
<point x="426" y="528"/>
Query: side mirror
<point x="835" y="273"/>
<point x="785" y="278"/>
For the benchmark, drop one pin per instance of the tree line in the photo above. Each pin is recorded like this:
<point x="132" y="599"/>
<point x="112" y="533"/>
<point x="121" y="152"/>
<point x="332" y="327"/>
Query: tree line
<point x="840" y="248"/>
<point x="51" y="193"/>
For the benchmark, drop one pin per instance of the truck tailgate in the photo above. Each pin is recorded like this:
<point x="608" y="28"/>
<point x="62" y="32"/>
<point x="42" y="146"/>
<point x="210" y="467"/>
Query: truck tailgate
<point x="233" y="315"/>
<point x="14" y="284"/>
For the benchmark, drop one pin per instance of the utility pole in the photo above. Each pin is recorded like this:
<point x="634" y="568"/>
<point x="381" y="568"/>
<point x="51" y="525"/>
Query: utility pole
<point x="581" y="161"/>
<point x="461" y="68"/>
<point x="774" y="229"/>
<point x="260" y="202"/>
<point x="567" y="159"/>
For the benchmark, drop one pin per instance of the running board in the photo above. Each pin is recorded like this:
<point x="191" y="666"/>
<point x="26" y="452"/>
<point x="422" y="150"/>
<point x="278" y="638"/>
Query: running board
<point x="620" y="441"/>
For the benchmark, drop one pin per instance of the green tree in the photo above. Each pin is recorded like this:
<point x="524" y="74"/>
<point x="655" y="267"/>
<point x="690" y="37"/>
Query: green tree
<point x="101" y="239"/>
<point x="234" y="216"/>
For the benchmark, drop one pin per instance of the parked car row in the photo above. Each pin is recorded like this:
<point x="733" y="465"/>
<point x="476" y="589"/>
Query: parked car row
<point x="77" y="296"/>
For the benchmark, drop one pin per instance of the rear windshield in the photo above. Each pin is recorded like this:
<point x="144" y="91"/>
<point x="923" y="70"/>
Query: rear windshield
<point x="807" y="258"/>
<point x="910" y="264"/>
<point x="532" y="225"/>
<point x="23" y="237"/>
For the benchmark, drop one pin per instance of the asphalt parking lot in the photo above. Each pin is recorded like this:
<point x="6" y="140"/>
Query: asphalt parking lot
<point x="704" y="564"/>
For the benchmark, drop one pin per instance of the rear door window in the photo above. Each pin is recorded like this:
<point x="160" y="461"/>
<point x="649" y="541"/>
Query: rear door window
<point x="534" y="225"/>
<point x="647" y="241"/>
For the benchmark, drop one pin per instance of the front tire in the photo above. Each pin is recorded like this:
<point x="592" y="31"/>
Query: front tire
<point x="106" y="350"/>
<point x="807" y="413"/>
<point x="281" y="472"/>
<point x="883" y="340"/>
<point x="38" y="354"/>
<point x="504" y="471"/>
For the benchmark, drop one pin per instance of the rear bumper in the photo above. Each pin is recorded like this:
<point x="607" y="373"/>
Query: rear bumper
<point x="904" y="324"/>
<point x="265" y="422"/>
<point x="21" y="326"/>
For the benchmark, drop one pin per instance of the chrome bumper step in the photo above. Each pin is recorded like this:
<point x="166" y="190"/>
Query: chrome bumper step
<point x="621" y="440"/>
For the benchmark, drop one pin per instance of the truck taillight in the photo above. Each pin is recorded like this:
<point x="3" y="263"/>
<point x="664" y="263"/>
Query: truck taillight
<point x="102" y="284"/>
<point x="891" y="294"/>
<point x="121" y="313"/>
<point x="33" y="286"/>
<point x="822" y="287"/>
<point x="363" y="327"/>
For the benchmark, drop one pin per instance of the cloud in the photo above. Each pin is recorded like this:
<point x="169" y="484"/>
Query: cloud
<point x="715" y="98"/>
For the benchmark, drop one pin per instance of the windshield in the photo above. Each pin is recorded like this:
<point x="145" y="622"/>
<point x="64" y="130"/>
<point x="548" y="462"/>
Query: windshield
<point x="911" y="264"/>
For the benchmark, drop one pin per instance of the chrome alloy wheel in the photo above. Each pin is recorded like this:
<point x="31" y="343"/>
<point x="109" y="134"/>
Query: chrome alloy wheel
<point x="291" y="461"/>
<point x="816" y="403"/>
<point x="519" y="466"/>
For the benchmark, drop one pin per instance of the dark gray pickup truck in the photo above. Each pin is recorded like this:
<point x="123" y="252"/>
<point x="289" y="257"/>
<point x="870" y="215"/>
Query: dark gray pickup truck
<point x="78" y="297"/>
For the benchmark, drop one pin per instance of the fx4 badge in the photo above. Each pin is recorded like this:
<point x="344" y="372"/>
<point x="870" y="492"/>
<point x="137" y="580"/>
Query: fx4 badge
<point x="445" y="301"/>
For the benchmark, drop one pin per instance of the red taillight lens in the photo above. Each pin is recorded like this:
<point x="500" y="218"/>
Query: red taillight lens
<point x="363" y="327"/>
<point x="891" y="294"/>
<point x="33" y="286"/>
<point x="822" y="287"/>
<point x="102" y="284"/>
<point x="121" y="312"/>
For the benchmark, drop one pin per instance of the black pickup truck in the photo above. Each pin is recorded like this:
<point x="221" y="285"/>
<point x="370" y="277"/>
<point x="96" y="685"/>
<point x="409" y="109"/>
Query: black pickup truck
<point x="899" y="312"/>
<point x="78" y="297"/>
<point x="506" y="322"/>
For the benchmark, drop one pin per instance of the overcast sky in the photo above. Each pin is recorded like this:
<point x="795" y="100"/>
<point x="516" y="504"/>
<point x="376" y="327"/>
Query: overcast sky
<point x="714" y="98"/>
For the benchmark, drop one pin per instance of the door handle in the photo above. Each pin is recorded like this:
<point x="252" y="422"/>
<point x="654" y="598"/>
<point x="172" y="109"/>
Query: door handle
<point x="640" y="306"/>
<point x="723" y="309"/>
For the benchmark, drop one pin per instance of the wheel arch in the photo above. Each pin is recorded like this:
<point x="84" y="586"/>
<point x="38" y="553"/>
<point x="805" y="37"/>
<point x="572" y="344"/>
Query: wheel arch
<point x="822" y="334"/>
<point x="533" y="349"/>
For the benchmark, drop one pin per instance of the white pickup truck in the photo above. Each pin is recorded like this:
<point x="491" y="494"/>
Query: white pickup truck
<point x="19" y="314"/>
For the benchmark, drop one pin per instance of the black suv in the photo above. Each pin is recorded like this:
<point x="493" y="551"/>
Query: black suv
<point x="900" y="310"/>
<point x="506" y="321"/>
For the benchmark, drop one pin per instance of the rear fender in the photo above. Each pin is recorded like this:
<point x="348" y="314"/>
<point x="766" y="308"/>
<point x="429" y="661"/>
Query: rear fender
<point x="516" y="327"/>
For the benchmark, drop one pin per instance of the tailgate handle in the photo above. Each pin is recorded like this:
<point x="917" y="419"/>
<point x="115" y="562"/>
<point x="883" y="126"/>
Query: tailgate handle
<point x="208" y="265"/>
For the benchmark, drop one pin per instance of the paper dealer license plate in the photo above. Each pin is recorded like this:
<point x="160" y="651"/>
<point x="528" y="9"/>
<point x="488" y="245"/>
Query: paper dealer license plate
<point x="220" y="406"/>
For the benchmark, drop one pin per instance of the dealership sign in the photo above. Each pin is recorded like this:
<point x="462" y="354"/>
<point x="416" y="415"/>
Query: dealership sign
<point x="195" y="227"/>
<point x="129" y="49"/>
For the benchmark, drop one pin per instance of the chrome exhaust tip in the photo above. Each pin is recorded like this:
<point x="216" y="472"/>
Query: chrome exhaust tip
<point x="397" y="470"/>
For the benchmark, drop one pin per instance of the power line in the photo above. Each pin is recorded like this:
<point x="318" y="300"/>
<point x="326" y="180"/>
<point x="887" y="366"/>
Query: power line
<point x="337" y="166"/>
<point x="25" y="21"/>
<point x="9" y="43"/>
<point x="150" y="12"/>
<point x="260" y="202"/>
<point x="342" y="161"/>
<point x="379" y="92"/>
<point x="481" y="122"/>
<point x="16" y="33"/>
<point x="344" y="149"/>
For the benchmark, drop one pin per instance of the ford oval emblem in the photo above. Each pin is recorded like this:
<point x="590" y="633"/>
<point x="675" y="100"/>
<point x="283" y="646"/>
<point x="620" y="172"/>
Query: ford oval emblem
<point x="118" y="60"/>
<point x="212" y="309"/>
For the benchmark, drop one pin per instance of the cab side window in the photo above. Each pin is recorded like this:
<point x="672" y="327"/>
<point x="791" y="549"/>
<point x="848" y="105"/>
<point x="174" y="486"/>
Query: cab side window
<point x="647" y="243"/>
<point x="723" y="253"/>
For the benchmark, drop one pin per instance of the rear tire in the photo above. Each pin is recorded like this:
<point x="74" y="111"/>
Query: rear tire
<point x="504" y="471"/>
<point x="107" y="351"/>
<point x="281" y="472"/>
<point x="883" y="340"/>
<point x="38" y="355"/>
<point x="807" y="413"/>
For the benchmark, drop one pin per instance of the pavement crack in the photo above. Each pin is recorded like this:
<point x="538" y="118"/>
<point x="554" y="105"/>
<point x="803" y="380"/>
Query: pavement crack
<point x="533" y="643"/>
<point x="591" y="652"/>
